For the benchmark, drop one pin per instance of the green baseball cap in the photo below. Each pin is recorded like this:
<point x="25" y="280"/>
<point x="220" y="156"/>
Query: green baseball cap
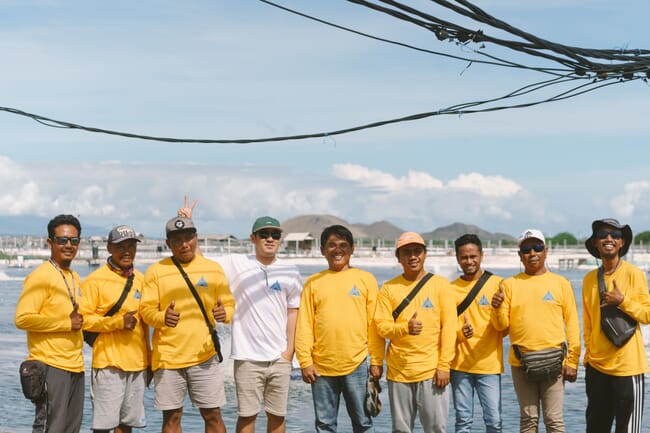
<point x="266" y="222"/>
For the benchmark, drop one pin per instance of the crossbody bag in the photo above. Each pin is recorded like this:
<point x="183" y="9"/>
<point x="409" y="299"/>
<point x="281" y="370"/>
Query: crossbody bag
<point x="472" y="293"/>
<point x="91" y="336"/>
<point x="411" y="295"/>
<point x="212" y="329"/>
<point x="617" y="326"/>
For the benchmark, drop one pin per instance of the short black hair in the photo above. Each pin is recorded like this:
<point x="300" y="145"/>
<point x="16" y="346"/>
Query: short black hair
<point x="468" y="239"/>
<point x="338" y="230"/>
<point x="60" y="220"/>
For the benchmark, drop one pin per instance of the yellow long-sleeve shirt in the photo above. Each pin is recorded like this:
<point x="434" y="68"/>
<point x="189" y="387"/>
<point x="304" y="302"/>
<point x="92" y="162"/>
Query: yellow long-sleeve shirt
<point x="414" y="358"/>
<point x="600" y="353"/>
<point x="43" y="310"/>
<point x="483" y="352"/>
<point x="334" y="329"/>
<point x="114" y="346"/>
<point x="189" y="343"/>
<point x="541" y="313"/>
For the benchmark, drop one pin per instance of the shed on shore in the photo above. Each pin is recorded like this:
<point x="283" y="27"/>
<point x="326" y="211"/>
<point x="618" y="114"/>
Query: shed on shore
<point x="299" y="243"/>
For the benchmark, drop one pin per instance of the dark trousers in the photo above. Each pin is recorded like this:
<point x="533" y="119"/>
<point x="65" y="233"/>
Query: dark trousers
<point x="62" y="408"/>
<point x="612" y="398"/>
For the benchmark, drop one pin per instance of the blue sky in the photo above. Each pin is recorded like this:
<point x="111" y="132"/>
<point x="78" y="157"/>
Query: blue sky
<point x="243" y="69"/>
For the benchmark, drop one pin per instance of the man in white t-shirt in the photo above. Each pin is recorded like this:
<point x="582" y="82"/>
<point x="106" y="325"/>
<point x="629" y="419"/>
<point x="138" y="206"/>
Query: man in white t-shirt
<point x="267" y="294"/>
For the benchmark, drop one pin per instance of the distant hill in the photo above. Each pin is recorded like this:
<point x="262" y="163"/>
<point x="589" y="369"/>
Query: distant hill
<point x="455" y="230"/>
<point x="315" y="224"/>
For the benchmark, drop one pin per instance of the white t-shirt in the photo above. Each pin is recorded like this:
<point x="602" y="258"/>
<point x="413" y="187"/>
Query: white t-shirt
<point x="262" y="296"/>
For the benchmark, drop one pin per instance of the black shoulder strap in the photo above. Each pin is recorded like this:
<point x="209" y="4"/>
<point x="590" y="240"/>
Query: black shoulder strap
<point x="472" y="293"/>
<point x="411" y="295"/>
<point x="602" y="288"/>
<point x="127" y="287"/>
<point x="217" y="345"/>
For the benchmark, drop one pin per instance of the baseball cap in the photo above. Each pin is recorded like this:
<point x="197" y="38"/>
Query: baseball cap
<point x="531" y="233"/>
<point x="265" y="222"/>
<point x="597" y="224"/>
<point x="178" y="224"/>
<point x="121" y="233"/>
<point x="409" y="238"/>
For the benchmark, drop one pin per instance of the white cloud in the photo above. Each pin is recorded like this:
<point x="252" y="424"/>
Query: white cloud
<point x="633" y="194"/>
<point x="489" y="186"/>
<point x="376" y="178"/>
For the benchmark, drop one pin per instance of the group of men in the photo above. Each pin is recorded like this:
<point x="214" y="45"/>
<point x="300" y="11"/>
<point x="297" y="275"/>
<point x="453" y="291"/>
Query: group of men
<point x="432" y="334"/>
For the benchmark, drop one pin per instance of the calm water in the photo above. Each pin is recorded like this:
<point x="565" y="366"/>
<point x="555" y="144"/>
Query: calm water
<point x="16" y="413"/>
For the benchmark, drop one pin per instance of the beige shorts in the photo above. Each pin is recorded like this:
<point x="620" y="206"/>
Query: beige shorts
<point x="204" y="382"/>
<point x="257" y="381"/>
<point x="118" y="398"/>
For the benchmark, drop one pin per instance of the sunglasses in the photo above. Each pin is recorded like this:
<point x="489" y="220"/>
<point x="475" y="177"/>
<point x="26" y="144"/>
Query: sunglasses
<point x="62" y="240"/>
<point x="526" y="249"/>
<point x="603" y="233"/>
<point x="264" y="234"/>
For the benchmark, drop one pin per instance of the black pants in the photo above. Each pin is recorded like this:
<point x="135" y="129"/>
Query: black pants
<point x="613" y="397"/>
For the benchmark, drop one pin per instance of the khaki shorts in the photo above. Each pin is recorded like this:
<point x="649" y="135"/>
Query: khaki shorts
<point x="257" y="381"/>
<point x="204" y="382"/>
<point x="118" y="398"/>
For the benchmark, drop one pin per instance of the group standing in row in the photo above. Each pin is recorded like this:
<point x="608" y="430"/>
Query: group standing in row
<point x="434" y="335"/>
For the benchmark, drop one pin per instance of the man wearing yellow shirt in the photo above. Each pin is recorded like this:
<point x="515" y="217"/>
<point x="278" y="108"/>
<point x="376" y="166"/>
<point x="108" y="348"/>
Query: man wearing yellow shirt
<point x="614" y="375"/>
<point x="522" y="305"/>
<point x="334" y="334"/>
<point x="422" y="339"/>
<point x="183" y="354"/>
<point x="48" y="310"/>
<point x="121" y="350"/>
<point x="478" y="363"/>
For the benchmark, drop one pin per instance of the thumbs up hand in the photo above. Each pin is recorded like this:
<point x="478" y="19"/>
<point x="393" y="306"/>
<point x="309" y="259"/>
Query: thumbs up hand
<point x="130" y="320"/>
<point x="219" y="312"/>
<point x="172" y="316"/>
<point x="468" y="330"/>
<point x="76" y="319"/>
<point x="415" y="325"/>
<point x="498" y="297"/>
<point x="613" y="297"/>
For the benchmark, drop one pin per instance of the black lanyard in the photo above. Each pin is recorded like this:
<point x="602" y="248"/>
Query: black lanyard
<point x="65" y="280"/>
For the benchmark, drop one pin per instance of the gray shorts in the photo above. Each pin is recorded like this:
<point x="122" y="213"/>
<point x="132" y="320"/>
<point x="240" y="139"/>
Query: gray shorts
<point x="257" y="381"/>
<point x="118" y="398"/>
<point x="203" y="381"/>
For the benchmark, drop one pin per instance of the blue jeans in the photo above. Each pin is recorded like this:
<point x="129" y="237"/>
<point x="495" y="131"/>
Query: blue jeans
<point x="488" y="388"/>
<point x="326" y="393"/>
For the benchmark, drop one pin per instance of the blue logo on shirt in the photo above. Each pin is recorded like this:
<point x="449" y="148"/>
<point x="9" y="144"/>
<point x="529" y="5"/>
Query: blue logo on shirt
<point x="427" y="303"/>
<point x="548" y="297"/>
<point x="276" y="286"/>
<point x="354" y="292"/>
<point x="202" y="283"/>
<point x="137" y="294"/>
<point x="483" y="301"/>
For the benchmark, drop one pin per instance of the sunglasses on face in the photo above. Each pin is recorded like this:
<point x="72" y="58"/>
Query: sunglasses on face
<point x="264" y="234"/>
<point x="603" y="233"/>
<point x="526" y="249"/>
<point x="62" y="240"/>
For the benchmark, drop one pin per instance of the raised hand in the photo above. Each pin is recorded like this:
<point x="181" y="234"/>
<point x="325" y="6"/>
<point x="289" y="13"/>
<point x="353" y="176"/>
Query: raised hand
<point x="130" y="321"/>
<point x="219" y="312"/>
<point x="415" y="325"/>
<point x="498" y="297"/>
<point x="468" y="330"/>
<point x="76" y="319"/>
<point x="613" y="297"/>
<point x="172" y="316"/>
<point x="187" y="209"/>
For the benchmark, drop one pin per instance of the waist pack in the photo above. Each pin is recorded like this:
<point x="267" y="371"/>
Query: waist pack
<point x="32" y="380"/>
<point x="542" y="365"/>
<point x="617" y="326"/>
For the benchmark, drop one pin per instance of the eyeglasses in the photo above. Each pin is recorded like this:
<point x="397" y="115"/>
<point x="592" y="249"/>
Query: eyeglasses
<point x="62" y="240"/>
<point x="264" y="234"/>
<point x="526" y="249"/>
<point x="603" y="233"/>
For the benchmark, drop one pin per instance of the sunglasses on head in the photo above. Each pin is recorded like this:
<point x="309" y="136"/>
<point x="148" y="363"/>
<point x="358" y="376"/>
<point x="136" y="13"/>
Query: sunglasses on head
<point x="264" y="234"/>
<point x="526" y="249"/>
<point x="603" y="233"/>
<point x="62" y="240"/>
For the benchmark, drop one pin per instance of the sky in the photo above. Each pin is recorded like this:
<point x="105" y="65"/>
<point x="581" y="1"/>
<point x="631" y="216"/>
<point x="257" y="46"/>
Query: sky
<point x="224" y="69"/>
